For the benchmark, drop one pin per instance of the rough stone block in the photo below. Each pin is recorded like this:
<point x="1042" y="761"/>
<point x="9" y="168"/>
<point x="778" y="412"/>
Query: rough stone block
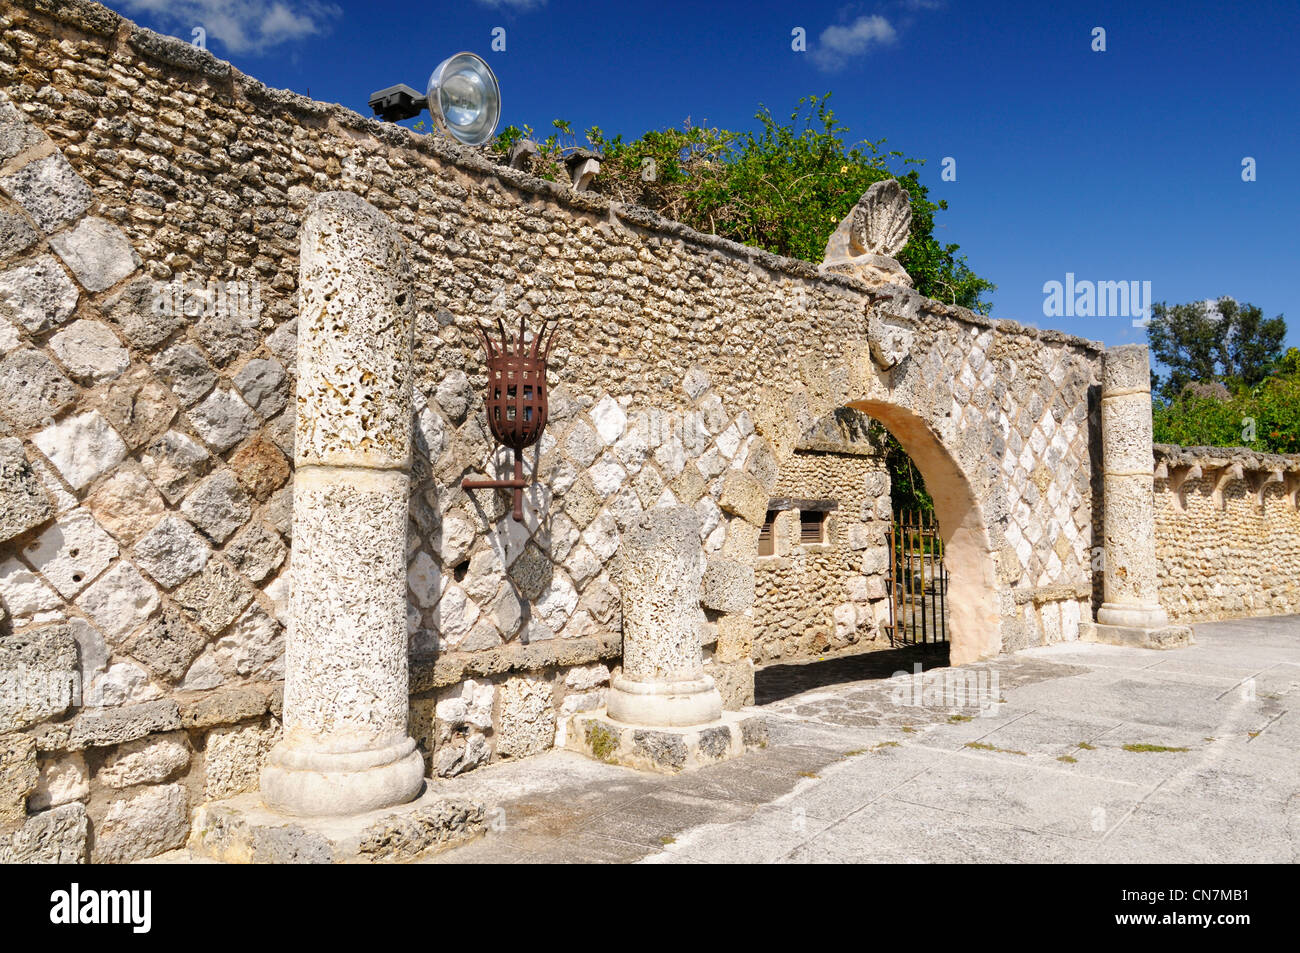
<point x="744" y="496"/>
<point x="145" y="761"/>
<point x="261" y="467"/>
<point x="256" y="552"/>
<point x="167" y="645"/>
<point x="23" y="502"/>
<point x="53" y="837"/>
<point x="18" y="776"/>
<point x="225" y="707"/>
<point x="728" y="586"/>
<point x="64" y="779"/>
<point x="146" y="824"/>
<point x="234" y="756"/>
<point x="127" y="505"/>
<point x="97" y="252"/>
<point x="81" y="447"/>
<point x="172" y="551"/>
<point x="217" y="506"/>
<point x="113" y="726"/>
<point x="173" y="462"/>
<point x="735" y="638"/>
<point x="50" y="190"/>
<point x="32" y="388"/>
<point x="38" y="295"/>
<point x="664" y="750"/>
<point x="138" y="406"/>
<point x="223" y="419"/>
<point x="72" y="552"/>
<point x="90" y="351"/>
<point x="119" y="601"/>
<point x="527" y="719"/>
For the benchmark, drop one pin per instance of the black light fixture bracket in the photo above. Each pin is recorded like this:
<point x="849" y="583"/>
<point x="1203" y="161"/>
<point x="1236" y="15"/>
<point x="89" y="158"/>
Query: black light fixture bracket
<point x="397" y="102"/>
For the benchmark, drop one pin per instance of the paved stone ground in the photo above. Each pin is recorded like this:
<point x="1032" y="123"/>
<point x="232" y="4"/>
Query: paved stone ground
<point x="1042" y="774"/>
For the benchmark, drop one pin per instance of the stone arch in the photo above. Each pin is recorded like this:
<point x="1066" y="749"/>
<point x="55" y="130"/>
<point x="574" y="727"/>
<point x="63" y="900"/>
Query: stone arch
<point x="974" y="618"/>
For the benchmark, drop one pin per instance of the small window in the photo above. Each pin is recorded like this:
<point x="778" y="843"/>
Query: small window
<point x="766" y="536"/>
<point x="812" y="526"/>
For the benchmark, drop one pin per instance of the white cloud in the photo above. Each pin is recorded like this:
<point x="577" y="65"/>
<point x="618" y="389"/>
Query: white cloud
<point x="839" y="44"/>
<point x="241" y="26"/>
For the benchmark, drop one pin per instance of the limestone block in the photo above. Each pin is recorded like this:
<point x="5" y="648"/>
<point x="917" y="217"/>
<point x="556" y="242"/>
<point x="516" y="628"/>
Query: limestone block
<point x="57" y="836"/>
<point x="140" y="826"/>
<point x="168" y="645"/>
<point x="172" y="551"/>
<point x="15" y="234"/>
<point x="186" y="371"/>
<point x="122" y="683"/>
<point x="112" y="726"/>
<point x="223" y="419"/>
<point x="262" y="383"/>
<point x="18" y="776"/>
<point x="527" y="721"/>
<point x="32" y="388"/>
<point x="90" y="351"/>
<point x="63" y="780"/>
<point x="50" y="191"/>
<point x="224" y="707"/>
<point x="214" y="597"/>
<point x="735" y="638"/>
<point x="81" y="447"/>
<point x="251" y="644"/>
<point x="744" y="496"/>
<point x="119" y="601"/>
<point x="23" y="502"/>
<point x="256" y="552"/>
<point x="173" y="462"/>
<point x="23" y="594"/>
<point x="234" y="757"/>
<point x="139" y="406"/>
<point x="610" y="420"/>
<point x="72" y="552"/>
<point x="145" y="761"/>
<point x="728" y="585"/>
<point x="217" y="506"/>
<point x="38" y="295"/>
<point x="126" y="504"/>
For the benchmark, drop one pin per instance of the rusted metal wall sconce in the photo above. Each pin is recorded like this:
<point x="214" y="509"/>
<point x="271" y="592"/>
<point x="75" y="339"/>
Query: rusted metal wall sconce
<point x="516" y="400"/>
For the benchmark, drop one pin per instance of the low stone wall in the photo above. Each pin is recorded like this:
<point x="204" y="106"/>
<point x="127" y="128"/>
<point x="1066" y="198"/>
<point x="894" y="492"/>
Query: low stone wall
<point x="1227" y="532"/>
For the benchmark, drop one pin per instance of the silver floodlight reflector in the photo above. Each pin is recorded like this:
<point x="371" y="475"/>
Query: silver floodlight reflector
<point x="464" y="99"/>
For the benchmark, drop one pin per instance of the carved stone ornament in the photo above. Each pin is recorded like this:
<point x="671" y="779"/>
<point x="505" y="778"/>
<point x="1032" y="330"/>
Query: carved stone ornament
<point x="890" y="338"/>
<point x="865" y="242"/>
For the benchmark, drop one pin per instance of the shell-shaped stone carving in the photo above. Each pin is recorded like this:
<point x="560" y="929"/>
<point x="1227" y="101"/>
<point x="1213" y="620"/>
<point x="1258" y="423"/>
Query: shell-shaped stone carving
<point x="881" y="220"/>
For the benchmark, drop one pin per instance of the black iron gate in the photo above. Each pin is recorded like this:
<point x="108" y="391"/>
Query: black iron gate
<point x="917" y="582"/>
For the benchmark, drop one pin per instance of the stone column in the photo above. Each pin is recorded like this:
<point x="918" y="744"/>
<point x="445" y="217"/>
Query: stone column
<point x="663" y="681"/>
<point x="1128" y="473"/>
<point x="345" y="748"/>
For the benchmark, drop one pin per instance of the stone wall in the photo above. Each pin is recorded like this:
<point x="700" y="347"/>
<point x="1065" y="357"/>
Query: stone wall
<point x="814" y="598"/>
<point x="150" y="203"/>
<point x="1227" y="532"/>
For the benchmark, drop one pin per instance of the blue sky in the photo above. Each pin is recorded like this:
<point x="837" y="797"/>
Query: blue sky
<point x="1116" y="165"/>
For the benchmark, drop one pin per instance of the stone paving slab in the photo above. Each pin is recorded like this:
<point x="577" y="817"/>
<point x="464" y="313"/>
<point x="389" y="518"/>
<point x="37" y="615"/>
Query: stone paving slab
<point x="852" y="775"/>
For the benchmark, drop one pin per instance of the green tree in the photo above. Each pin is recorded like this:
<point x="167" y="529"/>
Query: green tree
<point x="1202" y="342"/>
<point x="783" y="187"/>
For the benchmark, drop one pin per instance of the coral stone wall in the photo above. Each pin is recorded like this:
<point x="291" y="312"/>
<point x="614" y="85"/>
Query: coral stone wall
<point x="824" y="597"/>
<point x="150" y="203"/>
<point x="1227" y="533"/>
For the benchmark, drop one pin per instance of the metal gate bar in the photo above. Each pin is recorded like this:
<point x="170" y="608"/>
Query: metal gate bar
<point x="917" y="583"/>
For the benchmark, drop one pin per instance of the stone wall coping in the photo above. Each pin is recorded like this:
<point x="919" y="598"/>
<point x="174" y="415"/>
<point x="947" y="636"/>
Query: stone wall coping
<point x="174" y="52"/>
<point x="1172" y="455"/>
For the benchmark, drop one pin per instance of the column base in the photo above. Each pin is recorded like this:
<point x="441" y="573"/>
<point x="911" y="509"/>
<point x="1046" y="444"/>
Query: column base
<point x="1164" y="637"/>
<point x="241" y="830"/>
<point x="1132" y="616"/>
<point x="666" y="750"/>
<point x="315" y="782"/>
<point x="669" y="704"/>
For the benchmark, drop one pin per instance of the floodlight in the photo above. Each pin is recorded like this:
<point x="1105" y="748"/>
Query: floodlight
<point x="464" y="99"/>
